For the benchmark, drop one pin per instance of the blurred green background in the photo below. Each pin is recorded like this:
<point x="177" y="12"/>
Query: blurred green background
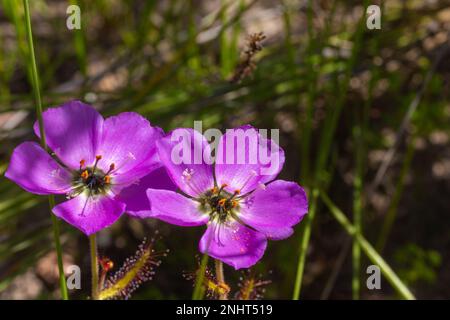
<point x="363" y="115"/>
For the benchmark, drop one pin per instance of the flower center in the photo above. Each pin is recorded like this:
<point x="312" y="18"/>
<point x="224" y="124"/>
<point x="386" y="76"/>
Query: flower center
<point x="219" y="204"/>
<point x="91" y="179"/>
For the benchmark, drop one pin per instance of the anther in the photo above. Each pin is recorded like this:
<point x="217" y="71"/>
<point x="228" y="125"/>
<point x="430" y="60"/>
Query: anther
<point x="107" y="179"/>
<point x="97" y="159"/>
<point x="223" y="186"/>
<point x="222" y="202"/>
<point x="112" y="166"/>
<point x="236" y="192"/>
<point x="82" y="163"/>
<point x="85" y="175"/>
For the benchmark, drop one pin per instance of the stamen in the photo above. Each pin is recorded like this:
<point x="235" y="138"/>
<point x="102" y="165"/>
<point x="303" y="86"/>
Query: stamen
<point x="234" y="203"/>
<point x="112" y="166"/>
<point x="82" y="163"/>
<point x="97" y="159"/>
<point x="107" y="179"/>
<point x="236" y="192"/>
<point x="223" y="186"/>
<point x="222" y="202"/>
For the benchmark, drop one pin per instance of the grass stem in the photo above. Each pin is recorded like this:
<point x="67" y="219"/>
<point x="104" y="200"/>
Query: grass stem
<point x="306" y="234"/>
<point x="38" y="101"/>
<point x="370" y="251"/>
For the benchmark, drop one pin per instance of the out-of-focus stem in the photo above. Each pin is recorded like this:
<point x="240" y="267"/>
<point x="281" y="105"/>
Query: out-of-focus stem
<point x="359" y="139"/>
<point x="37" y="97"/>
<point x="356" y="249"/>
<point x="367" y="248"/>
<point x="306" y="234"/>
<point x="392" y="211"/>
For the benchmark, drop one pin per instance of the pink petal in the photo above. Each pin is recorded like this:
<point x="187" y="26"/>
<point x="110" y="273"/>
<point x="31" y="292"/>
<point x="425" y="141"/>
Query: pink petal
<point x="174" y="208"/>
<point x="135" y="196"/>
<point x="128" y="142"/>
<point x="275" y="209"/>
<point x="189" y="171"/>
<point x="36" y="171"/>
<point x="72" y="132"/>
<point x="90" y="215"/>
<point x="234" y="244"/>
<point x="245" y="159"/>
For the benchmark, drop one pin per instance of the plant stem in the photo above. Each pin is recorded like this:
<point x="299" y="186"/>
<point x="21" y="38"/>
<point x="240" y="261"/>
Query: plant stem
<point x="306" y="234"/>
<point x="391" y="215"/>
<point x="200" y="277"/>
<point x="220" y="277"/>
<point x="56" y="236"/>
<point x="356" y="249"/>
<point x="360" y="141"/>
<point x="94" y="265"/>
<point x="38" y="101"/>
<point x="371" y="253"/>
<point x="358" y="138"/>
<point x="199" y="288"/>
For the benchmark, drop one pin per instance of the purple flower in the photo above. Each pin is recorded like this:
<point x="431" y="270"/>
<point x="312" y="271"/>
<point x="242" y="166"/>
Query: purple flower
<point x="237" y="203"/>
<point x="103" y="166"/>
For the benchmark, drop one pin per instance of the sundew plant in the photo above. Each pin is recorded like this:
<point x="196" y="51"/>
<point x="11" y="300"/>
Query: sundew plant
<point x="224" y="149"/>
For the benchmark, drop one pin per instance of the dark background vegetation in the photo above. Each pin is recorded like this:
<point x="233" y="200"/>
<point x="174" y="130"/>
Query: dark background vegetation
<point x="172" y="61"/>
